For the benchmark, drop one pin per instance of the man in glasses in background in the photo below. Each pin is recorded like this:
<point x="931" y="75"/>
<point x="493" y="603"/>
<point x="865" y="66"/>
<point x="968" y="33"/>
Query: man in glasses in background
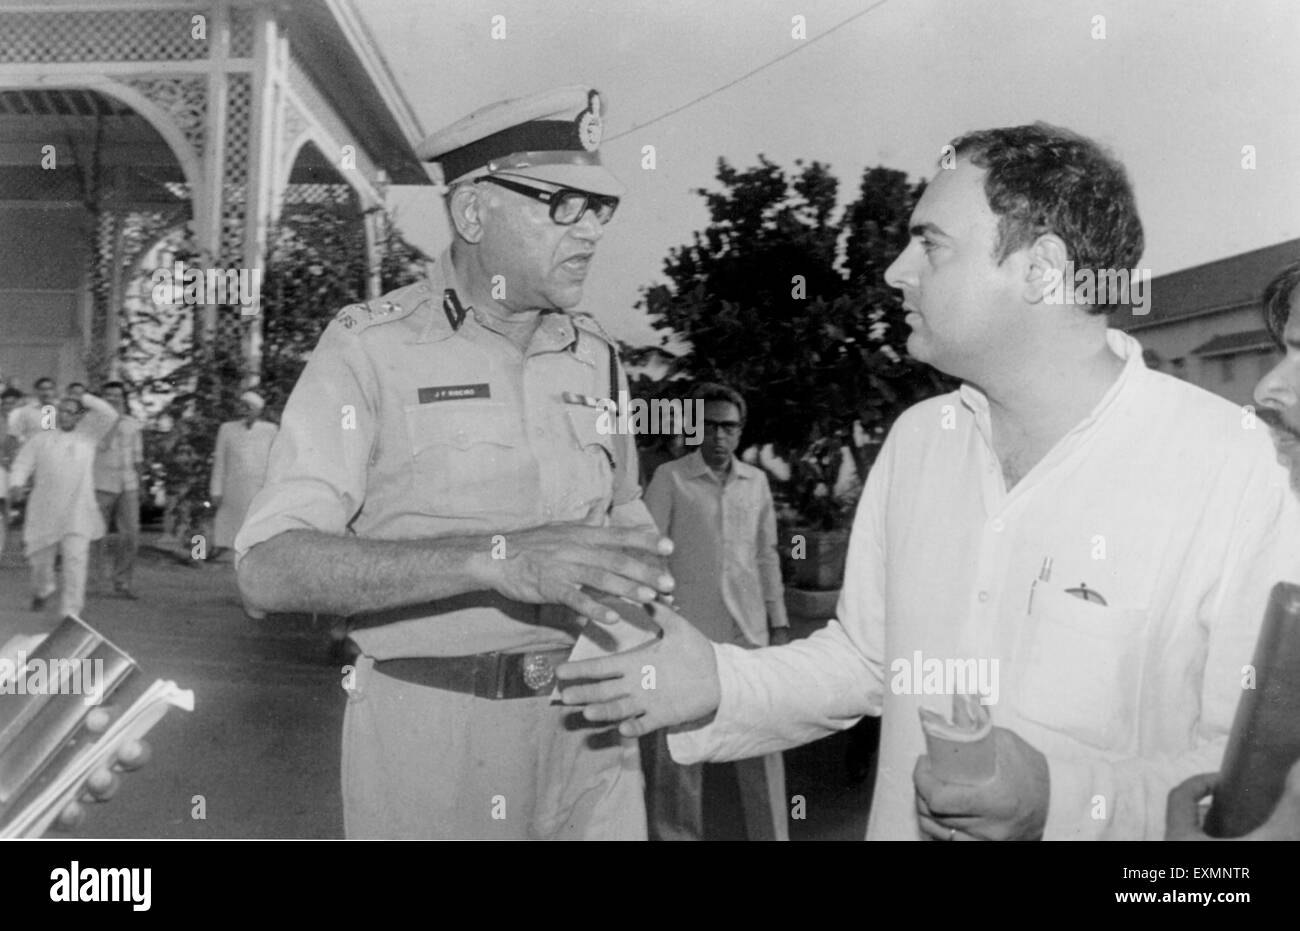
<point x="719" y="514"/>
<point x="442" y="479"/>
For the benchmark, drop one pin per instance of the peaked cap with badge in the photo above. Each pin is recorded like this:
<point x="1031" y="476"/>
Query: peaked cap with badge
<point x="553" y="136"/>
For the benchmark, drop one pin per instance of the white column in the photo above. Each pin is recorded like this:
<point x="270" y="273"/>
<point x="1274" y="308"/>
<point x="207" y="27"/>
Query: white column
<point x="215" y="144"/>
<point x="264" y="120"/>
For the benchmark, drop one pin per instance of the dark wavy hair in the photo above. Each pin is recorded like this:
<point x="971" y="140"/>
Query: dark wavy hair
<point x="1045" y="179"/>
<point x="712" y="391"/>
<point x="1277" y="301"/>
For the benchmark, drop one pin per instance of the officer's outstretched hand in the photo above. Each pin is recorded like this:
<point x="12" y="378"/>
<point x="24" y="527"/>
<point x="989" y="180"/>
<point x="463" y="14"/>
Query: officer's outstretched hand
<point x="673" y="680"/>
<point x="550" y="565"/>
<point x="1183" y="811"/>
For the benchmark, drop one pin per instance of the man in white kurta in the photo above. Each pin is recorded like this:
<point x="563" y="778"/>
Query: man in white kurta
<point x="1084" y="543"/>
<point x="62" y="514"/>
<point x="239" y="468"/>
<point x="1124" y="700"/>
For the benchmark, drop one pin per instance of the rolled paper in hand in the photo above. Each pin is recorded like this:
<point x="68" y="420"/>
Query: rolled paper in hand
<point x="961" y="751"/>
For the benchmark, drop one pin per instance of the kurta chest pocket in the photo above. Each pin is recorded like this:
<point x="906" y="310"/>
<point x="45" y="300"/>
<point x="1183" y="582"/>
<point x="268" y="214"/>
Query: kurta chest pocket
<point x="464" y="454"/>
<point x="1079" y="668"/>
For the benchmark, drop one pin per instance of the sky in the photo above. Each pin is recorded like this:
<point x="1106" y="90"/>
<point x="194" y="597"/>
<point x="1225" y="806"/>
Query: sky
<point x="1175" y="89"/>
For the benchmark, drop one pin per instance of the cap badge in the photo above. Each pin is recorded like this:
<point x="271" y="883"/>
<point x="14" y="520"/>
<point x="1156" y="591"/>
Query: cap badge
<point x="590" y="124"/>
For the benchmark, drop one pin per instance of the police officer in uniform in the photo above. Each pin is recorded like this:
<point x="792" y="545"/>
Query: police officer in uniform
<point x="445" y="476"/>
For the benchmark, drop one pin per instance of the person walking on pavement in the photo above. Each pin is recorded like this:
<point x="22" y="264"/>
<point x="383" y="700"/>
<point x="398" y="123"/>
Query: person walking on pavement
<point x="62" y="515"/>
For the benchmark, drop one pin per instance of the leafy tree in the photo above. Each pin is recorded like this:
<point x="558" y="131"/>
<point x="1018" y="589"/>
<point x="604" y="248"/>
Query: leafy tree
<point x="784" y="299"/>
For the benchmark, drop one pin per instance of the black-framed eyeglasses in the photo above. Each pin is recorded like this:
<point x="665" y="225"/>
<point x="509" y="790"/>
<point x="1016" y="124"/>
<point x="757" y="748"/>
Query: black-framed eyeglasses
<point x="568" y="205"/>
<point x="729" y="427"/>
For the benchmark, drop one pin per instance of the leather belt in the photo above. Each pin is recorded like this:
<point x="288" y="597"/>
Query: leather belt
<point x="493" y="676"/>
<point x="524" y="613"/>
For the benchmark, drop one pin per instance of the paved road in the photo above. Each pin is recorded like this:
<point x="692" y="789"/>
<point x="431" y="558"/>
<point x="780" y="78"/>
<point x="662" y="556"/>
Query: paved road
<point x="262" y="745"/>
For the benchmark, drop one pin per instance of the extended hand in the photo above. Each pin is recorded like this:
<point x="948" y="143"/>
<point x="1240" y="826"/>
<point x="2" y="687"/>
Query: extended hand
<point x="673" y="680"/>
<point x="1183" y="810"/>
<point x="550" y="564"/>
<point x="1010" y="806"/>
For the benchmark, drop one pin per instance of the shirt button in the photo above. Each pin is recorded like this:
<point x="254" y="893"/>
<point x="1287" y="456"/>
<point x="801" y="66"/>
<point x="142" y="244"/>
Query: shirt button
<point x="999" y="525"/>
<point x="983" y="596"/>
<point x="460" y="436"/>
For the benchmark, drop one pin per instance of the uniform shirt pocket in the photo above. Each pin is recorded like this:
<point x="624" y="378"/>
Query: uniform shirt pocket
<point x="464" y="456"/>
<point x="584" y="476"/>
<point x="591" y="431"/>
<point x="1079" y="668"/>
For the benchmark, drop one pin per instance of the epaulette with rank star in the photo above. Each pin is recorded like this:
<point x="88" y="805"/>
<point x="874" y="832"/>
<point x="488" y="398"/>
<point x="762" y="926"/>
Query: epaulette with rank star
<point x="587" y="323"/>
<point x="357" y="317"/>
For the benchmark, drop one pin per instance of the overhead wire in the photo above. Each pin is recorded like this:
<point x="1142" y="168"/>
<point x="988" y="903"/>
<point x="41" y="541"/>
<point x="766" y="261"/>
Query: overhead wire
<point x="748" y="74"/>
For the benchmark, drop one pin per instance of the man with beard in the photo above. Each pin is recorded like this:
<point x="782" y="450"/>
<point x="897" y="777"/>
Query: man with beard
<point x="1278" y="392"/>
<point x="1278" y="396"/>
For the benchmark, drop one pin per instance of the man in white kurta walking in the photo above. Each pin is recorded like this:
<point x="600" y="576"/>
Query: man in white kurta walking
<point x="239" y="468"/>
<point x="63" y="515"/>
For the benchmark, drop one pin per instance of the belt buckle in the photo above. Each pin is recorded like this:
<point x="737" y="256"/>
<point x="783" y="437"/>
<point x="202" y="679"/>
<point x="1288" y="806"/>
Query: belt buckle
<point x="538" y="670"/>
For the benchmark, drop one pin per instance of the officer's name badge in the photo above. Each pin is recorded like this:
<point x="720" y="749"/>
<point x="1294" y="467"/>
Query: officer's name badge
<point x="454" y="393"/>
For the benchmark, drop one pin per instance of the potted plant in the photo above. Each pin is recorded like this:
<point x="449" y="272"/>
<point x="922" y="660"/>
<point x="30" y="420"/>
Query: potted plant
<point x="814" y="517"/>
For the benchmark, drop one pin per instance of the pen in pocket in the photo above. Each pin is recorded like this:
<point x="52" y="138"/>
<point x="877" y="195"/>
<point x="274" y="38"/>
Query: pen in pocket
<point x="1044" y="575"/>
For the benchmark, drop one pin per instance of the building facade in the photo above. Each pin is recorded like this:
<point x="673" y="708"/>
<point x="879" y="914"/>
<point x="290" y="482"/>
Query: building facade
<point x="1204" y="324"/>
<point x="122" y="122"/>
